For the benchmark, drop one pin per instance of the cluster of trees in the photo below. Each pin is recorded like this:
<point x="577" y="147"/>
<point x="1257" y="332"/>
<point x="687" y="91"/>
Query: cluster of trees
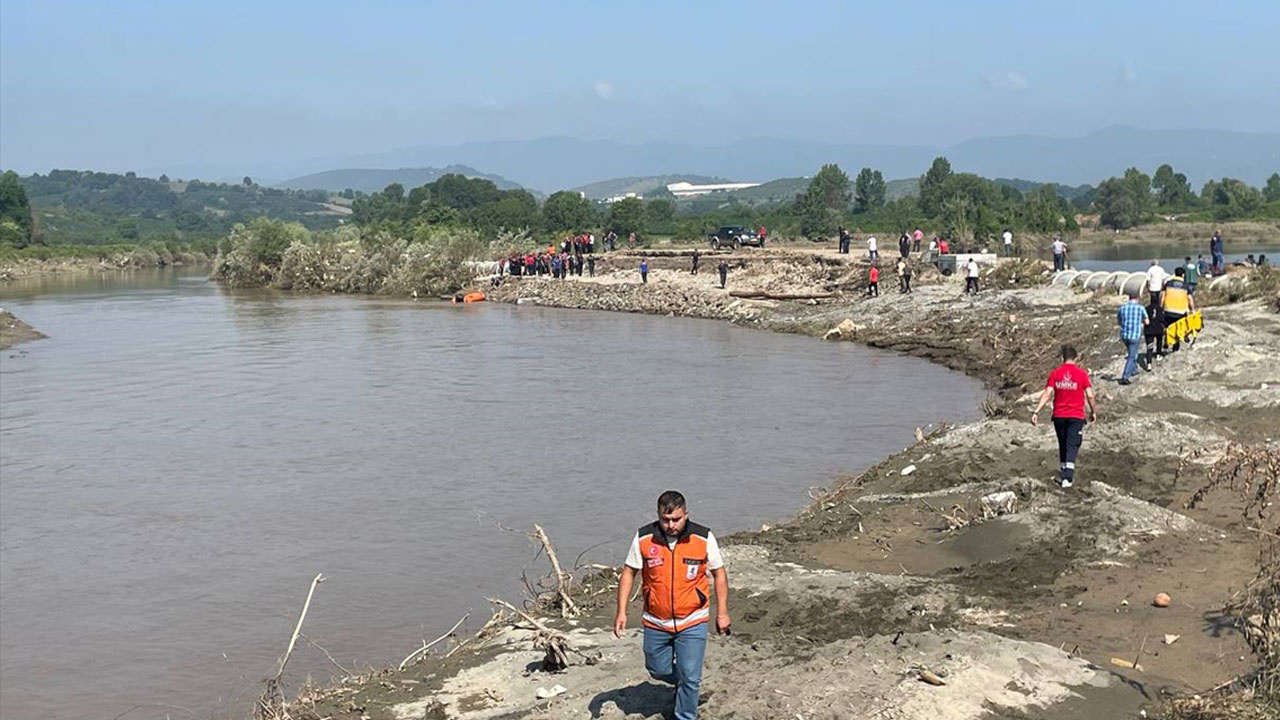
<point x="1125" y="202"/>
<point x="15" y="212"/>
<point x="477" y="203"/>
<point x="94" y="208"/>
<point x="964" y="205"/>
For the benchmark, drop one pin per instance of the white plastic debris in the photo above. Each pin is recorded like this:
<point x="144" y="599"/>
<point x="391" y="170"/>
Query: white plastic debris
<point x="1004" y="502"/>
<point x="908" y="469"/>
<point x="545" y="693"/>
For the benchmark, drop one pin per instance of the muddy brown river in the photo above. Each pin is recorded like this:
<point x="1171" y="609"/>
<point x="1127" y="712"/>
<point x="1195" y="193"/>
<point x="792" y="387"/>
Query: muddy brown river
<point x="177" y="461"/>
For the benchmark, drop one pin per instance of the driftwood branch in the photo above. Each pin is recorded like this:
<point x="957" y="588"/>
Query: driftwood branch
<point x="271" y="705"/>
<point x="758" y="294"/>
<point x="563" y="580"/>
<point x="428" y="645"/>
<point x="531" y="619"/>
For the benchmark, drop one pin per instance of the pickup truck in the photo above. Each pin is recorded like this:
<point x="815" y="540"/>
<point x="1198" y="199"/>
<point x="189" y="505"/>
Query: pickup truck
<point x="734" y="236"/>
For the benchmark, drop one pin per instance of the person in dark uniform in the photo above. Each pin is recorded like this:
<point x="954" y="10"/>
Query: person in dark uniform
<point x="696" y="258"/>
<point x="723" y="269"/>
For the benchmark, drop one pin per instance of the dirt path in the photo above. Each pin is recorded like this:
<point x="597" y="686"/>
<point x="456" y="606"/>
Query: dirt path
<point x="1019" y="604"/>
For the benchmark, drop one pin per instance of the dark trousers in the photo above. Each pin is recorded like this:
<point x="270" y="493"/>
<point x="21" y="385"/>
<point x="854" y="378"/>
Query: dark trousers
<point x="1070" y="435"/>
<point x="873" y="288"/>
<point x="1059" y="262"/>
<point x="1169" y="320"/>
<point x="724" y="278"/>
<point x="970" y="285"/>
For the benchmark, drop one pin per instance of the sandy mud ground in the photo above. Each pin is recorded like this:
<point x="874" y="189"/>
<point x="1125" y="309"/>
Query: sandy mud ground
<point x="13" y="331"/>
<point x="957" y="555"/>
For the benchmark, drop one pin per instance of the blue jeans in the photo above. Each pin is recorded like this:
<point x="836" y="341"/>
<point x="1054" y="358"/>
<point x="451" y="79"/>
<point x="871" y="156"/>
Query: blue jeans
<point x="1131" y="360"/>
<point x="676" y="658"/>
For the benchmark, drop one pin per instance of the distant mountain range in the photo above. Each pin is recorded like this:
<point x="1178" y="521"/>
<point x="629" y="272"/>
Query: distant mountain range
<point x="550" y="164"/>
<point x="371" y="180"/>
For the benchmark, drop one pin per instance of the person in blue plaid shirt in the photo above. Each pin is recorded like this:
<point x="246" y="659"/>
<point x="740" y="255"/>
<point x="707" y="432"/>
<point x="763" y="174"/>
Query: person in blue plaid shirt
<point x="1132" y="317"/>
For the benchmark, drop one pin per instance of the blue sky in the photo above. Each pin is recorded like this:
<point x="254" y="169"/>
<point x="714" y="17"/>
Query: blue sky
<point x="152" y="85"/>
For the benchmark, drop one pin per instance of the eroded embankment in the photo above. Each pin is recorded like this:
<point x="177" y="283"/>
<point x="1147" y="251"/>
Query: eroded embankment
<point x="958" y="555"/>
<point x="13" y="331"/>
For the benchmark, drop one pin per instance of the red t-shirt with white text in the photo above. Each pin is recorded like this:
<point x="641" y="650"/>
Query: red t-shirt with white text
<point x="1069" y="381"/>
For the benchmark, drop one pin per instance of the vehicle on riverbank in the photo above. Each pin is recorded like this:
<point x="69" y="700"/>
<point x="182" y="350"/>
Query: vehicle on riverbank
<point x="734" y="236"/>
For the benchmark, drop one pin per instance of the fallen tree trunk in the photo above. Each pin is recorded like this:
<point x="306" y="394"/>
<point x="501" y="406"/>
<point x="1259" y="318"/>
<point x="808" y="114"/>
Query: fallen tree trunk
<point x="761" y="294"/>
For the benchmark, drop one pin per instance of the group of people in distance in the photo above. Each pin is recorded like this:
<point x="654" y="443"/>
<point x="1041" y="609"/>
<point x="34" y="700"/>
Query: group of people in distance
<point x="907" y="244"/>
<point x="575" y="254"/>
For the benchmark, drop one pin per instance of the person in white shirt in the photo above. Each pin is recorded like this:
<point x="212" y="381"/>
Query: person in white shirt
<point x="871" y="249"/>
<point x="1156" y="278"/>
<point x="1059" y="255"/>
<point x="971" y="277"/>
<point x="1008" y="243"/>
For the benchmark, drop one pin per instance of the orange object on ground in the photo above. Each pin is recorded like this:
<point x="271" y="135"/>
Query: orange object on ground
<point x="473" y="297"/>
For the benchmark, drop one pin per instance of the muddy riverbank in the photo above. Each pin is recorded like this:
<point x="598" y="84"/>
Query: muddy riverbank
<point x="13" y="331"/>
<point x="1030" y="607"/>
<point x="13" y="268"/>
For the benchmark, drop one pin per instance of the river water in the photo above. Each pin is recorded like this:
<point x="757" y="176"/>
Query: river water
<point x="177" y="461"/>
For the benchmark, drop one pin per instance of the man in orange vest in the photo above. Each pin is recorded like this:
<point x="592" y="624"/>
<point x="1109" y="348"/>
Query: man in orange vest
<point x="673" y="558"/>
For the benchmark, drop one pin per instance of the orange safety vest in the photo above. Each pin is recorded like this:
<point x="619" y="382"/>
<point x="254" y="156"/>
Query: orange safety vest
<point x="674" y="579"/>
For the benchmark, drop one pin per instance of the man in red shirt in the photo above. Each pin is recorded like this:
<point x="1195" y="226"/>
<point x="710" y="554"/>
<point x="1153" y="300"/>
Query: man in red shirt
<point x="873" y="281"/>
<point x="1071" y="390"/>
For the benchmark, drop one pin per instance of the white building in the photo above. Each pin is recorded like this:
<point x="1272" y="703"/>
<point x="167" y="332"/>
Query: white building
<point x="615" y="198"/>
<point x="685" y="189"/>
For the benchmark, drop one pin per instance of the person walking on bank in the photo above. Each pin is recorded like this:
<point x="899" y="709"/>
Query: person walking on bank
<point x="1154" y="334"/>
<point x="971" y="277"/>
<point x="1059" y="255"/>
<point x="591" y="265"/>
<point x="696" y="257"/>
<point x="904" y="276"/>
<point x="1192" y="273"/>
<point x="917" y="237"/>
<point x="872" y="253"/>
<point x="1156" y="277"/>
<point x="1008" y="242"/>
<point x="673" y="557"/>
<point x="644" y="271"/>
<point x="873" y="281"/>
<point x="1132" y="318"/>
<point x="904" y="244"/>
<point x="1217" y="252"/>
<point x="1071" y="391"/>
<point x="1176" y="301"/>
<point x="723" y="269"/>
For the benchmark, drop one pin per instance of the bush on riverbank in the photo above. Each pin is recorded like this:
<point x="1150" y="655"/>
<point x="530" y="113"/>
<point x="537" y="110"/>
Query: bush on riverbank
<point x="433" y="260"/>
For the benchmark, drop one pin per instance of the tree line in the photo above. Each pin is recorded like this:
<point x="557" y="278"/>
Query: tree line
<point x="96" y="208"/>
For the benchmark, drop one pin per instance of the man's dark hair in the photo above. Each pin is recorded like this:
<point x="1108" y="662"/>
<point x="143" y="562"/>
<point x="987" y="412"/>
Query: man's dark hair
<point x="1179" y="272"/>
<point x="670" y="501"/>
<point x="1068" y="352"/>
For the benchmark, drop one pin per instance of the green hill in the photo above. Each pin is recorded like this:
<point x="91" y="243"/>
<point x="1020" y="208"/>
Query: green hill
<point x="374" y="180"/>
<point x="92" y="208"/>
